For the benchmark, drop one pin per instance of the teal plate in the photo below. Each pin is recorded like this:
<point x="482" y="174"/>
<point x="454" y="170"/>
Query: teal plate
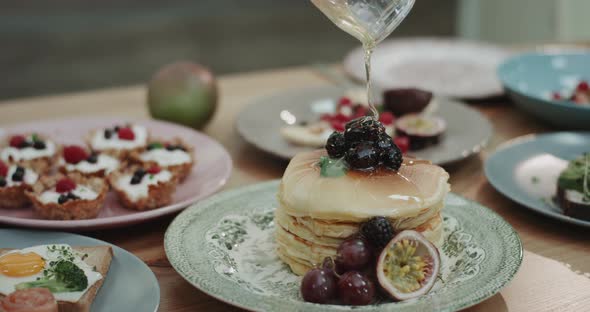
<point x="525" y="169"/>
<point x="225" y="247"/>
<point x="130" y="285"/>
<point x="531" y="78"/>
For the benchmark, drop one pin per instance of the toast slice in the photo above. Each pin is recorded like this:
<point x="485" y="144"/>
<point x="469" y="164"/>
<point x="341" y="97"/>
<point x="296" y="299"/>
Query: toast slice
<point x="99" y="256"/>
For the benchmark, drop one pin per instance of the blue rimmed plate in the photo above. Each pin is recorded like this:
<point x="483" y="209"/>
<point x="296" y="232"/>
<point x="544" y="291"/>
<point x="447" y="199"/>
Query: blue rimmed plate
<point x="530" y="79"/>
<point x="130" y="285"/>
<point x="525" y="169"/>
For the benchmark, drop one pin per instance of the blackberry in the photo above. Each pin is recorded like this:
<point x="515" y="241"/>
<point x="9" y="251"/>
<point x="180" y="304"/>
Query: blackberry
<point x="18" y="174"/>
<point x="62" y="199"/>
<point x="25" y="144"/>
<point x="108" y="133"/>
<point x="392" y="158"/>
<point x="2" y="182"/>
<point x="385" y="143"/>
<point x="93" y="158"/>
<point x="378" y="232"/>
<point x="72" y="196"/>
<point x="136" y="179"/>
<point x="170" y="147"/>
<point x="363" y="156"/>
<point x="138" y="176"/>
<point x="364" y="129"/>
<point x="336" y="145"/>
<point x="39" y="145"/>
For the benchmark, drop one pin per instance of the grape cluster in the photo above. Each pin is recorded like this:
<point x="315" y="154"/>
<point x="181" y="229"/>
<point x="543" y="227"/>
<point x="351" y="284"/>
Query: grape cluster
<point x="365" y="145"/>
<point x="353" y="287"/>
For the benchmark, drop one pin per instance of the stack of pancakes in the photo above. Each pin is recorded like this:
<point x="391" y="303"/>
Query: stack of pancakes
<point x="316" y="213"/>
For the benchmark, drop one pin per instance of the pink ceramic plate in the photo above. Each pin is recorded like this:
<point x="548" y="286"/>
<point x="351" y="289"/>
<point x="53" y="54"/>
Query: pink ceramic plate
<point x="211" y="171"/>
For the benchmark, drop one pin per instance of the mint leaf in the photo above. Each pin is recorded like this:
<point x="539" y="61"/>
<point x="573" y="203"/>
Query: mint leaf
<point x="155" y="145"/>
<point x="332" y="167"/>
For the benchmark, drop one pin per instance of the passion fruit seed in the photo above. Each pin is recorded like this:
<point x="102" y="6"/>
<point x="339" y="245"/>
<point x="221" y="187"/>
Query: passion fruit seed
<point x="406" y="271"/>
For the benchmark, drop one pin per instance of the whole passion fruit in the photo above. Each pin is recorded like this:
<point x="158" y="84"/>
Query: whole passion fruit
<point x="408" y="266"/>
<point x="183" y="93"/>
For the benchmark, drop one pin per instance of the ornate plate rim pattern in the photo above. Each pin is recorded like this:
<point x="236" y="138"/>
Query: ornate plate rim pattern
<point x="504" y="253"/>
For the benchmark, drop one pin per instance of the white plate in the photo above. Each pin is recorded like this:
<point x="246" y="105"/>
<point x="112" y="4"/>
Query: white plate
<point x="447" y="67"/>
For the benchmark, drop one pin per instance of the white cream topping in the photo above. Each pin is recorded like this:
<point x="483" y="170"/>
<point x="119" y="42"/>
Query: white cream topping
<point x="81" y="191"/>
<point x="141" y="190"/>
<point x="164" y="157"/>
<point x="29" y="178"/>
<point x="104" y="162"/>
<point x="27" y="153"/>
<point x="7" y="284"/>
<point x="99" y="142"/>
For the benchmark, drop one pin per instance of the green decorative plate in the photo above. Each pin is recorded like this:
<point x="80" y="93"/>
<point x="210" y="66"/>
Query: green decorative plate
<point x="225" y="245"/>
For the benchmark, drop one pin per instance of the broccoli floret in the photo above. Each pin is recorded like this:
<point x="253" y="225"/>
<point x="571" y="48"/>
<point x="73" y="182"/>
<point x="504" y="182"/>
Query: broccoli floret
<point x="64" y="276"/>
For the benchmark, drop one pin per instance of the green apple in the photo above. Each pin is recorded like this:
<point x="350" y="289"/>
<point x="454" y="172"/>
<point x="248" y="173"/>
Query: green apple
<point x="183" y="93"/>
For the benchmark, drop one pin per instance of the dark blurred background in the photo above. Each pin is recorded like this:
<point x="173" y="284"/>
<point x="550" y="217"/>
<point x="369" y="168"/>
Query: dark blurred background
<point x="69" y="45"/>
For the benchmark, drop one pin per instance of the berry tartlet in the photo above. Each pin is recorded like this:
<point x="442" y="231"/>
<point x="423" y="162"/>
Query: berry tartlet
<point x="141" y="188"/>
<point x="120" y="140"/>
<point x="77" y="159"/>
<point x="31" y="151"/>
<point x="175" y="156"/>
<point x="14" y="181"/>
<point x="71" y="197"/>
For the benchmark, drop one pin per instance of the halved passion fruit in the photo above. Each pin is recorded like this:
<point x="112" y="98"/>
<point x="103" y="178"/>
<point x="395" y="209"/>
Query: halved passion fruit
<point x="408" y="266"/>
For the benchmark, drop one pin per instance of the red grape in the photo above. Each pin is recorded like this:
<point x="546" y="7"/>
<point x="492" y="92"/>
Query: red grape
<point x="353" y="254"/>
<point x="318" y="286"/>
<point x="355" y="289"/>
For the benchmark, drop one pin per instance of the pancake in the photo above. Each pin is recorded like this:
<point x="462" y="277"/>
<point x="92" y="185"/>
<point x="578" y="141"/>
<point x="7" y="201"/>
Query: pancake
<point x="311" y="251"/>
<point x="339" y="229"/>
<point x="316" y="213"/>
<point x="358" y="196"/>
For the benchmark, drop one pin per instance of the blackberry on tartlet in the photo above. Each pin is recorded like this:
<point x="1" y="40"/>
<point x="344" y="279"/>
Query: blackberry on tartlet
<point x="77" y="159"/>
<point x="33" y="151"/>
<point x="15" y="180"/>
<point x="144" y="188"/>
<point x="118" y="140"/>
<point x="68" y="197"/>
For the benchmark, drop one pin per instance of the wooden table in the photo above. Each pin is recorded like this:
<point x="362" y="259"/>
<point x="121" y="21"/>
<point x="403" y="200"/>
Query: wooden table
<point x="541" y="235"/>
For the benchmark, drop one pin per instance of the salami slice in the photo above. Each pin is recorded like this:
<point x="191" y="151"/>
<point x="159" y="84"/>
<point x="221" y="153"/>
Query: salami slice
<point x="29" y="300"/>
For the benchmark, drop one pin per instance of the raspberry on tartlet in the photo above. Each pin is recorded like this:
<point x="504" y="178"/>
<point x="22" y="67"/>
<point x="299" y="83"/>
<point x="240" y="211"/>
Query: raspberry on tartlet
<point x="118" y="140"/>
<point x="144" y="188"/>
<point x="77" y="159"/>
<point x="174" y="155"/>
<point x="29" y="150"/>
<point x="15" y="180"/>
<point x="68" y="197"/>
